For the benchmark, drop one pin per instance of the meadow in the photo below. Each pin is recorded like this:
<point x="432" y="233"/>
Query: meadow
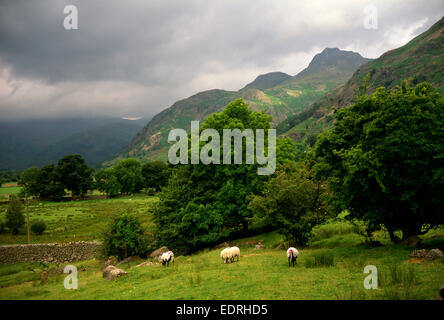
<point x="7" y="189"/>
<point x="330" y="267"/>
<point x="82" y="220"/>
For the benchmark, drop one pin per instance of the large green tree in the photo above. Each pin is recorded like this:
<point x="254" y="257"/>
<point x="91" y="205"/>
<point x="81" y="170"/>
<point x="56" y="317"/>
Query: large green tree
<point x="75" y="174"/>
<point x="106" y="181"/>
<point x="129" y="175"/>
<point x="49" y="183"/>
<point x="204" y="203"/>
<point x="155" y="174"/>
<point x="15" y="219"/>
<point x="29" y="180"/>
<point x="386" y="154"/>
<point x="293" y="202"/>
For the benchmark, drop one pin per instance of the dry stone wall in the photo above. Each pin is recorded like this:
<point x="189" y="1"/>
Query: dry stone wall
<point x="50" y="252"/>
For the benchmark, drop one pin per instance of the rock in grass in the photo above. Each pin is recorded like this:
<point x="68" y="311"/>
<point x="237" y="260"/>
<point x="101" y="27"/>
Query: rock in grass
<point x="418" y="253"/>
<point x="110" y="262"/>
<point x="111" y="272"/>
<point x="428" y="255"/>
<point x="129" y="259"/>
<point x="433" y="254"/>
<point x="146" y="263"/>
<point x="157" y="253"/>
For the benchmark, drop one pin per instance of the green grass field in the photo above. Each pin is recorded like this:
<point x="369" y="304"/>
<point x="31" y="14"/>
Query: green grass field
<point x="8" y="188"/>
<point x="260" y="274"/>
<point x="78" y="220"/>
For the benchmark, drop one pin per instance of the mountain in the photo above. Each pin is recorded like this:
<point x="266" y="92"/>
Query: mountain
<point x="421" y="59"/>
<point x="277" y="93"/>
<point x="95" y="145"/>
<point x="38" y="142"/>
<point x="268" y="80"/>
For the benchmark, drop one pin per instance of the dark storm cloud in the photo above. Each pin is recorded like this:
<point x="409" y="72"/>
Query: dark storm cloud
<point x="132" y="58"/>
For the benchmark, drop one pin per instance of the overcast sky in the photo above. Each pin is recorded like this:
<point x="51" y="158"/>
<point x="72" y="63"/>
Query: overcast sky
<point x="135" y="58"/>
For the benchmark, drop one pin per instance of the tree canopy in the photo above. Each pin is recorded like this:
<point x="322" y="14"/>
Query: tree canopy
<point x="203" y="203"/>
<point x="386" y="154"/>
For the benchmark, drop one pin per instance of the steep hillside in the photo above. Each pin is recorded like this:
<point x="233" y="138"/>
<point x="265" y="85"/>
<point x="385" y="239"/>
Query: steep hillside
<point x="269" y="80"/>
<point x="422" y="59"/>
<point x="95" y="145"/>
<point x="277" y="93"/>
<point x="38" y="142"/>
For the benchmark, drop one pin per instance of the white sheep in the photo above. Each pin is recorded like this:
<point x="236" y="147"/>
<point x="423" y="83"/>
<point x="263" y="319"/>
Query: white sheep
<point x="292" y="255"/>
<point x="166" y="258"/>
<point x="235" y="252"/>
<point x="226" y="254"/>
<point x="229" y="254"/>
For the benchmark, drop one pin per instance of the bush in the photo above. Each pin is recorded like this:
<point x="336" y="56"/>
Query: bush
<point x="332" y="229"/>
<point x="125" y="238"/>
<point x="322" y="258"/>
<point x="149" y="191"/>
<point x="397" y="274"/>
<point x="14" y="215"/>
<point x="38" y="227"/>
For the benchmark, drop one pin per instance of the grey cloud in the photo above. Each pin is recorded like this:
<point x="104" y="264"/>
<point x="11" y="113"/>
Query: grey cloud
<point x="138" y="57"/>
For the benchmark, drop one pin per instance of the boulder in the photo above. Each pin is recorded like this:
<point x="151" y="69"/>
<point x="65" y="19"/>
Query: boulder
<point x="433" y="254"/>
<point x="222" y="245"/>
<point x="111" y="272"/>
<point x="157" y="253"/>
<point x="259" y="246"/>
<point x="110" y="262"/>
<point x="418" y="253"/>
<point x="129" y="259"/>
<point x="146" y="263"/>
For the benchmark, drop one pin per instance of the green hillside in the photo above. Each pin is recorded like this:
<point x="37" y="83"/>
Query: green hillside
<point x="422" y="59"/>
<point x="28" y="143"/>
<point x="276" y="93"/>
<point x="269" y="80"/>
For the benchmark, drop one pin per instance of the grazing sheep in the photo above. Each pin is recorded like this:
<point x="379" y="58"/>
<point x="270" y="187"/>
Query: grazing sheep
<point x="235" y="252"/>
<point x="166" y="258"/>
<point x="229" y="254"/>
<point x="292" y="255"/>
<point x="226" y="254"/>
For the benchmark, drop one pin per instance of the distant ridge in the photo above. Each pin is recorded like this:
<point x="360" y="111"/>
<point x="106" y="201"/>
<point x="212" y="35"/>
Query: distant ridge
<point x="268" y="80"/>
<point x="277" y="93"/>
<point x="421" y="59"/>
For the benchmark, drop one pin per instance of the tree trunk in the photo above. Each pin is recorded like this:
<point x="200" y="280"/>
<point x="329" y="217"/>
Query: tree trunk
<point x="392" y="235"/>
<point x="410" y="236"/>
<point x="244" y="225"/>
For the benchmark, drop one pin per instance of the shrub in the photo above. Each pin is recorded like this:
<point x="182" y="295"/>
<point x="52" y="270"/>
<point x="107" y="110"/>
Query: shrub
<point x="322" y="258"/>
<point x="14" y="215"/>
<point x="38" y="227"/>
<point x="397" y="274"/>
<point x="332" y="229"/>
<point x="125" y="238"/>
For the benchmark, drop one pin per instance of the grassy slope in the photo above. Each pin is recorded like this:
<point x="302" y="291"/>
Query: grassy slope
<point x="78" y="220"/>
<point x="8" y="189"/>
<point x="262" y="274"/>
